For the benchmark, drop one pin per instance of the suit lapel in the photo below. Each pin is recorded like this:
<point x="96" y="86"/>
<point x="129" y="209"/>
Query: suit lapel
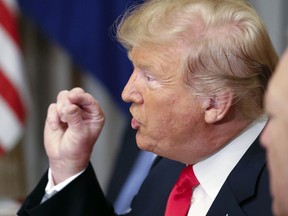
<point x="240" y="184"/>
<point x="225" y="206"/>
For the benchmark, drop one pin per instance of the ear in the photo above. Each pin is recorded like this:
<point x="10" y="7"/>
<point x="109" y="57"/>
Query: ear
<point x="217" y="106"/>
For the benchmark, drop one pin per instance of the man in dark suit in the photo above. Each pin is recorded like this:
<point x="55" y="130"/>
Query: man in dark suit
<point x="200" y="71"/>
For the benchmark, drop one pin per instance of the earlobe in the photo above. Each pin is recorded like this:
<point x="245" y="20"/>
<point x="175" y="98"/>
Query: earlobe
<point x="217" y="106"/>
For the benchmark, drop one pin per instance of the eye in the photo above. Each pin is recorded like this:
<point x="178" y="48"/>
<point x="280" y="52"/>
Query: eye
<point x="149" y="78"/>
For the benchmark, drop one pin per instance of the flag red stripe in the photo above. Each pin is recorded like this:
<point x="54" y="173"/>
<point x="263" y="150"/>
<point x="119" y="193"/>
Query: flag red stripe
<point x="11" y="96"/>
<point x="1" y="151"/>
<point x="8" y="22"/>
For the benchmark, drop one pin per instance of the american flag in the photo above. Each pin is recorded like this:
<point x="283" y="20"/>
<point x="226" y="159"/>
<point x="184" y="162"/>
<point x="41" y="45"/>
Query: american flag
<point x="12" y="85"/>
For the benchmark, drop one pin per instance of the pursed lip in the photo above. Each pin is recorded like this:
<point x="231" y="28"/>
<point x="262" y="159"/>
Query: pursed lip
<point x="135" y="124"/>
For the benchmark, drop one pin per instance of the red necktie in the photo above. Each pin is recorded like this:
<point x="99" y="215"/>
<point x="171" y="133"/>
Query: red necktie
<point x="180" y="197"/>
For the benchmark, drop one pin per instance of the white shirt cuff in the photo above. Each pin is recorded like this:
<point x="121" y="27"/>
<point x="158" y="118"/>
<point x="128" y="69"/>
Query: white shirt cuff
<point x="52" y="189"/>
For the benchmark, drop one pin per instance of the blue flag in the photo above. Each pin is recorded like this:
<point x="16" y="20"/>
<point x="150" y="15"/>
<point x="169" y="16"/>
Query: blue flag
<point x="84" y="29"/>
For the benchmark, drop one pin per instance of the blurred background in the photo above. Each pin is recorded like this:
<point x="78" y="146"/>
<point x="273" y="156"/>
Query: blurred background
<point x="50" y="45"/>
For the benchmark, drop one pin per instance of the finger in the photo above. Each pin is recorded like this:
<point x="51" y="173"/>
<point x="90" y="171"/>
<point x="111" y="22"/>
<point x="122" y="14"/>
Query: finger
<point x="53" y="120"/>
<point x="62" y="96"/>
<point x="85" y="100"/>
<point x="72" y="115"/>
<point x="62" y="102"/>
<point x="77" y="90"/>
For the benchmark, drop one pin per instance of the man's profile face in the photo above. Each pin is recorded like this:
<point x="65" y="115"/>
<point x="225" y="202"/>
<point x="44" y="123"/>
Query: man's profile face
<point x="168" y="117"/>
<point x="275" y="136"/>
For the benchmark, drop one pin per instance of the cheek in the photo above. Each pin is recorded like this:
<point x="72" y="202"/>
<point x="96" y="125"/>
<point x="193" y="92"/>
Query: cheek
<point x="278" y="180"/>
<point x="273" y="134"/>
<point x="175" y="121"/>
<point x="265" y="136"/>
<point x="275" y="139"/>
<point x="170" y="118"/>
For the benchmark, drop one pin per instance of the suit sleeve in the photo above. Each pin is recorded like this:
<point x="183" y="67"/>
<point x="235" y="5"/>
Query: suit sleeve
<point x="83" y="196"/>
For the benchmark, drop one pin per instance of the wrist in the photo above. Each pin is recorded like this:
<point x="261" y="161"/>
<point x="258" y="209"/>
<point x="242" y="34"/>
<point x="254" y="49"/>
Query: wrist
<point x="61" y="171"/>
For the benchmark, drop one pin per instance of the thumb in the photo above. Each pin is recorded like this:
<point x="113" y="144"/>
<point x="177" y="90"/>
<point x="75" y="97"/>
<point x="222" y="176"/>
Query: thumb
<point x="72" y="115"/>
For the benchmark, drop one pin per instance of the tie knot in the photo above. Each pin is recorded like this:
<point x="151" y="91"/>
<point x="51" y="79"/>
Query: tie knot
<point x="187" y="178"/>
<point x="181" y="194"/>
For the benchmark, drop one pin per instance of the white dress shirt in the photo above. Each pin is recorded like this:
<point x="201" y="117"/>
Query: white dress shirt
<point x="213" y="171"/>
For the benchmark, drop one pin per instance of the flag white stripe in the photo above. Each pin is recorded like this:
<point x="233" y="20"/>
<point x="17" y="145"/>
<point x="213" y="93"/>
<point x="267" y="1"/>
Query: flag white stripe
<point x="10" y="62"/>
<point x="10" y="127"/>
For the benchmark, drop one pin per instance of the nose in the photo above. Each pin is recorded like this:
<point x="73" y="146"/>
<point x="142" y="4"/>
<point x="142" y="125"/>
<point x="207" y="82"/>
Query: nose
<point x="131" y="92"/>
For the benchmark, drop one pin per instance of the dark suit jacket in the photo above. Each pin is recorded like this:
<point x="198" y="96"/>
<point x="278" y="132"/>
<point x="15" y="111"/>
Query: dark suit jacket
<point x="126" y="158"/>
<point x="245" y="192"/>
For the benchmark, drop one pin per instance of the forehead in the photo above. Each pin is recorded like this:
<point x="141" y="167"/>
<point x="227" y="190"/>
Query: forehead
<point x="159" y="51"/>
<point x="154" y="57"/>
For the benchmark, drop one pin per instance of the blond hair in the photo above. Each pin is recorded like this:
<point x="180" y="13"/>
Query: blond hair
<point x="226" y="42"/>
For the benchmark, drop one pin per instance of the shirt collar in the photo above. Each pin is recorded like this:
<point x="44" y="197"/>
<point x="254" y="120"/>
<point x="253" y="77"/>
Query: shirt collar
<point x="213" y="171"/>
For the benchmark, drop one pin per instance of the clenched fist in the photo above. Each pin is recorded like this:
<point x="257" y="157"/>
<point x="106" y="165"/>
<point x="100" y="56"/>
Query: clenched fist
<point x="72" y="127"/>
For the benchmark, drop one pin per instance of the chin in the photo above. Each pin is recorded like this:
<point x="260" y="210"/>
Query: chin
<point x="143" y="144"/>
<point x="141" y="147"/>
